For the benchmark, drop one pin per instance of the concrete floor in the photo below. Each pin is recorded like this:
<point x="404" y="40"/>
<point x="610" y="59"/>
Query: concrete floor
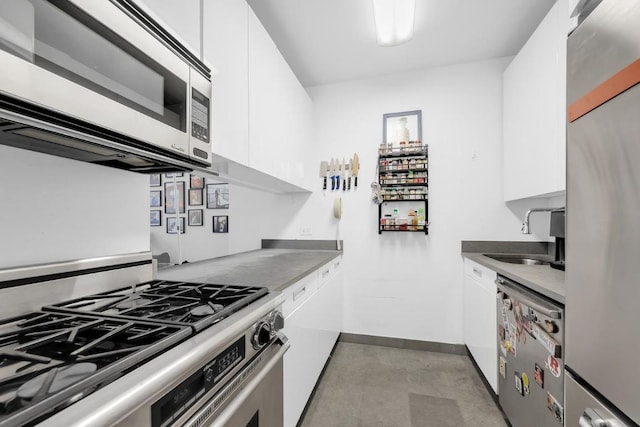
<point x="370" y="386"/>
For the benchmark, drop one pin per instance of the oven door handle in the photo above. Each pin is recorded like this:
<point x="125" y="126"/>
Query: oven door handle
<point x="223" y="418"/>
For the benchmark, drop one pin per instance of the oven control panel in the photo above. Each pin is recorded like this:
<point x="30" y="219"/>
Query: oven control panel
<point x="175" y="403"/>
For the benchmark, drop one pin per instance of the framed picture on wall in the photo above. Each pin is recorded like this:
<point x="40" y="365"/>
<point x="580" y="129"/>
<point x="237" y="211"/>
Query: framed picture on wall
<point x="175" y="225"/>
<point x="221" y="224"/>
<point x="176" y="174"/>
<point x="155" y="180"/>
<point x="155" y="198"/>
<point x="156" y="218"/>
<point x="174" y="197"/>
<point x="195" y="217"/>
<point x="217" y="196"/>
<point x="196" y="181"/>
<point x="195" y="197"/>
<point x="402" y="127"/>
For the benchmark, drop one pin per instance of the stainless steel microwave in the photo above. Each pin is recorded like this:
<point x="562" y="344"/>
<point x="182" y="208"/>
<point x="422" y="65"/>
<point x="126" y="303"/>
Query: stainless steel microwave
<point x="101" y="80"/>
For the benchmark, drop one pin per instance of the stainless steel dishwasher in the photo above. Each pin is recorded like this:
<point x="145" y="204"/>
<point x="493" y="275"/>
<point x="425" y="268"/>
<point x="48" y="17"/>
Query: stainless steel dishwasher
<point x="530" y="356"/>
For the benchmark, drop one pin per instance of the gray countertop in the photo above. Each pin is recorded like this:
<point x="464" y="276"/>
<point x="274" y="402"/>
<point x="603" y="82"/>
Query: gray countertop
<point x="274" y="268"/>
<point x="540" y="278"/>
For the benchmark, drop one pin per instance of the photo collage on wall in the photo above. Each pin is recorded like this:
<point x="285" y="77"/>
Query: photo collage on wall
<point x="169" y="191"/>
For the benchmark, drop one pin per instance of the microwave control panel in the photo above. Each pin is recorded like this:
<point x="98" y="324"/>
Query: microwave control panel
<point x="199" y="116"/>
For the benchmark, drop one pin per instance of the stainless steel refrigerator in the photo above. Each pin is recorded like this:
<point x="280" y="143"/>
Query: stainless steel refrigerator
<point x="602" y="365"/>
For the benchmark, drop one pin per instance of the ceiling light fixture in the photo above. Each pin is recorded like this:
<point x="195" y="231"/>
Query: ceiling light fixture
<point x="394" y="21"/>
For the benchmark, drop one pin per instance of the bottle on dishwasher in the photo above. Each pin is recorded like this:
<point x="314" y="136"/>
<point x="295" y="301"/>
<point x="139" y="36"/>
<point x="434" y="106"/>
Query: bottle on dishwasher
<point x="530" y="356"/>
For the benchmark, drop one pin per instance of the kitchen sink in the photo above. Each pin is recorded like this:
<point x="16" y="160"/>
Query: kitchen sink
<point x="519" y="259"/>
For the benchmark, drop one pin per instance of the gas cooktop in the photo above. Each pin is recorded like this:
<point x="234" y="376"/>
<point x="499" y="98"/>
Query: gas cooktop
<point x="198" y="305"/>
<point x="51" y="358"/>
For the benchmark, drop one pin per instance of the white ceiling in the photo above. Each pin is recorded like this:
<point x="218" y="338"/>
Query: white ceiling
<point x="327" y="41"/>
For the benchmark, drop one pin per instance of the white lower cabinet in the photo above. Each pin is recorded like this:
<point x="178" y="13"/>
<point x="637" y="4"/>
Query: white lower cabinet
<point x="312" y="323"/>
<point x="480" y="330"/>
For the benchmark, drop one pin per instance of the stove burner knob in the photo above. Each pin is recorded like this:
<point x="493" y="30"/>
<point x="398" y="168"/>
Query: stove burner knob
<point x="262" y="335"/>
<point x="276" y="320"/>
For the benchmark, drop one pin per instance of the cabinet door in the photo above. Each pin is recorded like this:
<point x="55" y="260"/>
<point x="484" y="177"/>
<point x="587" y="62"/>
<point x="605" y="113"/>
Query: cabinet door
<point x="280" y="122"/>
<point x="301" y="361"/>
<point x="226" y="47"/>
<point x="181" y="18"/>
<point x="327" y="313"/>
<point x="534" y="112"/>
<point x="480" y="319"/>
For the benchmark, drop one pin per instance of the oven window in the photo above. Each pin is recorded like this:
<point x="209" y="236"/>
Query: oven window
<point x="58" y="36"/>
<point x="254" y="420"/>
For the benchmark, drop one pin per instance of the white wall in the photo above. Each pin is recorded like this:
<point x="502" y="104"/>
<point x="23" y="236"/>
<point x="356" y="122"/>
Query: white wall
<point x="409" y="285"/>
<point x="253" y="215"/>
<point x="56" y="209"/>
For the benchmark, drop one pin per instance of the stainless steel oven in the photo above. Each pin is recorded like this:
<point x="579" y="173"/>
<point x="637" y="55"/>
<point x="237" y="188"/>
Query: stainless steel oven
<point x="106" y="65"/>
<point x="252" y="399"/>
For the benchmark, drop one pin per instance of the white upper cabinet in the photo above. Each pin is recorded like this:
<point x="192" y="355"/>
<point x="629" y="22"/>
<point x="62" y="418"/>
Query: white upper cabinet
<point x="280" y="111"/>
<point x="182" y="18"/>
<point x="225" y="39"/>
<point x="535" y="112"/>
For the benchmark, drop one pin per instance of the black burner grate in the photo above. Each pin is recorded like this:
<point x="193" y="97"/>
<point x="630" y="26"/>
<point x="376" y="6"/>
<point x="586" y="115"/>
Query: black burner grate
<point x="198" y="305"/>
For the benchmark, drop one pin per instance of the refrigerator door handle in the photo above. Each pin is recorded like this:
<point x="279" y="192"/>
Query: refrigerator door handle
<point x="590" y="418"/>
<point x="510" y="289"/>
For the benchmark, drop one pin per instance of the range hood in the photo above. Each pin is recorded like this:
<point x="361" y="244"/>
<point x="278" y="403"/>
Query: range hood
<point x="25" y="126"/>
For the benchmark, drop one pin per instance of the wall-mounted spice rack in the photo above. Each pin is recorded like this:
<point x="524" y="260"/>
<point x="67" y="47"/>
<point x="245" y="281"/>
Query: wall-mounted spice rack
<point x="403" y="173"/>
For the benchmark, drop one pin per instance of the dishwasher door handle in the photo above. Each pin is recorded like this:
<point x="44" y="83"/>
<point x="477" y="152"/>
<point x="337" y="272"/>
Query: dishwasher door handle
<point x="528" y="300"/>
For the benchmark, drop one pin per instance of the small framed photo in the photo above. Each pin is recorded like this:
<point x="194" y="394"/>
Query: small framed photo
<point x="155" y="180"/>
<point x="221" y="224"/>
<point x="156" y="198"/>
<point x="176" y="174"/>
<point x="217" y="196"/>
<point x="195" y="217"/>
<point x="195" y="197"/>
<point x="156" y="218"/>
<point x="196" y="181"/>
<point x="175" y="225"/>
<point x="173" y="197"/>
<point x="402" y="127"/>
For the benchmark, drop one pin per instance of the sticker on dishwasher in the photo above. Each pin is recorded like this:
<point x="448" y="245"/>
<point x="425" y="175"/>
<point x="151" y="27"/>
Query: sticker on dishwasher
<point x="521" y="324"/>
<point x="555" y="408"/>
<point x="547" y="342"/>
<point x="503" y="348"/>
<point x="538" y="375"/>
<point x="505" y="318"/>
<point x="553" y="366"/>
<point x="518" y="380"/>
<point x="513" y="339"/>
<point x="525" y="383"/>
<point x="503" y="367"/>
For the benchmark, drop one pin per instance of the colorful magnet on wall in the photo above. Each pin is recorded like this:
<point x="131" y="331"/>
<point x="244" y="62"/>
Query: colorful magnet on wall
<point x="553" y="366"/>
<point x="555" y="408"/>
<point x="518" y="380"/>
<point x="503" y="367"/>
<point x="538" y="375"/>
<point x="525" y="383"/>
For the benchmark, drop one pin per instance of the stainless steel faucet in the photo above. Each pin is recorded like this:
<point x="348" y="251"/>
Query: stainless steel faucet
<point x="525" y="224"/>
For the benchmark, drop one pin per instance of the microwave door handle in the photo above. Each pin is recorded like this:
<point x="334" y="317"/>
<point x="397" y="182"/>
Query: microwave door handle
<point x="549" y="312"/>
